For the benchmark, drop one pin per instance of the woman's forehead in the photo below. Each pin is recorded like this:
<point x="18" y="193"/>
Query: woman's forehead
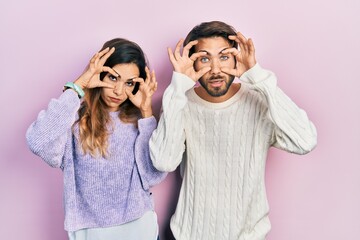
<point x="127" y="70"/>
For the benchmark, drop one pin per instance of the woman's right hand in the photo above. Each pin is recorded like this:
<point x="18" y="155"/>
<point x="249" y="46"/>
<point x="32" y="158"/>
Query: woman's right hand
<point x="91" y="76"/>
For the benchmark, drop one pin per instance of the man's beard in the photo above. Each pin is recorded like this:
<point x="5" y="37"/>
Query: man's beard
<point x="217" y="91"/>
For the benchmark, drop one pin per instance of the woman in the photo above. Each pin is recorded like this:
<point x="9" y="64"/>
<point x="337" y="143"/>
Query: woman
<point x="98" y="133"/>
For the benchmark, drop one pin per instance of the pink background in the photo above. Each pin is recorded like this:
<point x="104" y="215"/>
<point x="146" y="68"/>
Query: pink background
<point x="312" y="46"/>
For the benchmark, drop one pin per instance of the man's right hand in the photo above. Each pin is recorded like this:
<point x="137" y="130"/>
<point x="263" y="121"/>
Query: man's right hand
<point x="184" y="64"/>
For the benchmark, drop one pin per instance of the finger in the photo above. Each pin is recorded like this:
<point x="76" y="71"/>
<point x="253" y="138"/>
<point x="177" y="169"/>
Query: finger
<point x="155" y="87"/>
<point x="195" y="56"/>
<point x="201" y="72"/>
<point x="251" y="47"/>
<point x="235" y="52"/>
<point x="232" y="51"/>
<point x="106" y="56"/>
<point x="171" y="57"/>
<point x="139" y="80"/>
<point x="252" y="59"/>
<point x="105" y="85"/>
<point x="240" y="39"/>
<point x="98" y="56"/>
<point x="243" y="41"/>
<point x="230" y="71"/>
<point x="148" y="75"/>
<point x="153" y="77"/>
<point x="234" y="38"/>
<point x="153" y="83"/>
<point x="104" y="51"/>
<point x="177" y="53"/>
<point x="92" y="60"/>
<point x="110" y="70"/>
<point x="129" y="94"/>
<point x="188" y="46"/>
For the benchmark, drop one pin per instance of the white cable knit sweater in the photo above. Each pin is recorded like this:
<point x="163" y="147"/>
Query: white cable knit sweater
<point x="224" y="148"/>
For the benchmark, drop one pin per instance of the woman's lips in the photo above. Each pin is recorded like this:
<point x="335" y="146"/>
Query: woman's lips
<point x="115" y="100"/>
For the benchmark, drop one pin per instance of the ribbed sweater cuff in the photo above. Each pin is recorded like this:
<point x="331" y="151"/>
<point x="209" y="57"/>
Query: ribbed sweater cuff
<point x="147" y="125"/>
<point x="71" y="98"/>
<point x="181" y="82"/>
<point x="255" y="74"/>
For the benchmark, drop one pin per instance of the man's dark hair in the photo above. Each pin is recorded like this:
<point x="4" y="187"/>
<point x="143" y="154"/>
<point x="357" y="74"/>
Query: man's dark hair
<point x="208" y="30"/>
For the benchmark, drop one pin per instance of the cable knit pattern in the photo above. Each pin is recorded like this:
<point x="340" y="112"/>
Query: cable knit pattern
<point x="98" y="192"/>
<point x="223" y="191"/>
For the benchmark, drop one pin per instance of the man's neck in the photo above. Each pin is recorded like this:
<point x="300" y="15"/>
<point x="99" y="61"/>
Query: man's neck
<point x="202" y="93"/>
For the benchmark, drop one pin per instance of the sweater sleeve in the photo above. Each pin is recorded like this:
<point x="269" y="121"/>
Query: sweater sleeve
<point x="48" y="134"/>
<point x="167" y="143"/>
<point x="149" y="175"/>
<point x="294" y="132"/>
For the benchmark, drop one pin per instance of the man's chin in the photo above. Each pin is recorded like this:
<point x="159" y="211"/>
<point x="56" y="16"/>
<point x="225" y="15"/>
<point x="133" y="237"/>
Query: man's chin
<point x="216" y="92"/>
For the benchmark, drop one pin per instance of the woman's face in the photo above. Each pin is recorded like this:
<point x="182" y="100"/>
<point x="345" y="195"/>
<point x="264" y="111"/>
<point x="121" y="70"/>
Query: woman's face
<point x="116" y="96"/>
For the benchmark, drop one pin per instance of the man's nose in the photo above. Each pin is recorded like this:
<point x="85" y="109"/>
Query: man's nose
<point x="215" y="66"/>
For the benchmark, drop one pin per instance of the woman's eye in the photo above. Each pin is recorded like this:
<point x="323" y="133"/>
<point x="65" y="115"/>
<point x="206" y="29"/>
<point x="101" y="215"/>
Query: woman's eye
<point x="112" y="78"/>
<point x="224" y="58"/>
<point x="129" y="83"/>
<point x="204" y="59"/>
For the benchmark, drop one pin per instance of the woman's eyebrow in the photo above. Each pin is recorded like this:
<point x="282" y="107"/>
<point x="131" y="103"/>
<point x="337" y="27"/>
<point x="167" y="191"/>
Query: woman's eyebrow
<point x="131" y="79"/>
<point x="116" y="72"/>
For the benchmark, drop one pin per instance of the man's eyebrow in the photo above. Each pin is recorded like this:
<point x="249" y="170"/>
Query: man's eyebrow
<point x="207" y="53"/>
<point x="224" y="49"/>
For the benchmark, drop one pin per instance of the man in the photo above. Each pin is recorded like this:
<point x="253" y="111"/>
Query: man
<point x="221" y="132"/>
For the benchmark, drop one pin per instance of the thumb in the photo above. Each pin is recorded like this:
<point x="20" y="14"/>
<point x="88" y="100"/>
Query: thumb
<point x="105" y="85"/>
<point x="129" y="94"/>
<point x="229" y="71"/>
<point x="201" y="72"/>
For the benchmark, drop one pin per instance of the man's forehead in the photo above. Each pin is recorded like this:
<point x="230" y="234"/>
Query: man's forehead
<point x="212" y="46"/>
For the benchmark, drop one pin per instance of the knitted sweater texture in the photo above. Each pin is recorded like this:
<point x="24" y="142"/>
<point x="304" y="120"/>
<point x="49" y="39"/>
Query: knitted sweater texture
<point x="223" y="149"/>
<point x="98" y="192"/>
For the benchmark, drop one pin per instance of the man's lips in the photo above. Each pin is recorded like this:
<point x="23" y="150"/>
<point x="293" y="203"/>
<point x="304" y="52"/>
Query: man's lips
<point x="217" y="82"/>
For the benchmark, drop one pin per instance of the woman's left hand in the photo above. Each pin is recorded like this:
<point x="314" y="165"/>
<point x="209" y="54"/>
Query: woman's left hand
<point x="143" y="98"/>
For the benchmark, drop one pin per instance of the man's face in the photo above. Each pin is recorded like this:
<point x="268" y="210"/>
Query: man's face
<point x="215" y="82"/>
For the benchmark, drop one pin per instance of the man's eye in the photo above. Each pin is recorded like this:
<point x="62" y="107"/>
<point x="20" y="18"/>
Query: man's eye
<point x="112" y="78"/>
<point x="224" y="58"/>
<point x="204" y="59"/>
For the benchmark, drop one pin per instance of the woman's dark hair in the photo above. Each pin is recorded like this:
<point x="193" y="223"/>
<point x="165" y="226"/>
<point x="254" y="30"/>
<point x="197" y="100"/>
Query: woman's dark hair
<point x="208" y="30"/>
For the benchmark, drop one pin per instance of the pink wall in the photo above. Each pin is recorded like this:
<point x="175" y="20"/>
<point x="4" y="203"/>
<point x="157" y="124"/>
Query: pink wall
<point x="312" y="46"/>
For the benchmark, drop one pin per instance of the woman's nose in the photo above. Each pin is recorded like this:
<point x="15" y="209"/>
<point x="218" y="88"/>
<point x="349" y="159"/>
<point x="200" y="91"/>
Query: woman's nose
<point x="119" y="88"/>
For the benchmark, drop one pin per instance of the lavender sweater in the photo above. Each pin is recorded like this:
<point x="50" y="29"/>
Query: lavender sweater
<point x="97" y="192"/>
